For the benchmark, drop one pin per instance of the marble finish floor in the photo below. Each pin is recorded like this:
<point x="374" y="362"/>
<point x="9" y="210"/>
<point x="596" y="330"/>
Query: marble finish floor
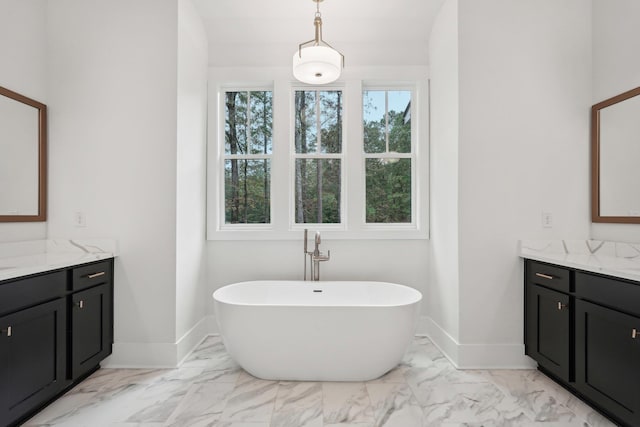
<point x="209" y="389"/>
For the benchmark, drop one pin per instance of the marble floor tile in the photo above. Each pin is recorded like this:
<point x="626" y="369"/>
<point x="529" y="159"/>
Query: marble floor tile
<point x="394" y="405"/>
<point x="469" y="403"/>
<point x="252" y="400"/>
<point x="202" y="405"/>
<point x="211" y="390"/>
<point x="298" y="404"/>
<point x="346" y="403"/>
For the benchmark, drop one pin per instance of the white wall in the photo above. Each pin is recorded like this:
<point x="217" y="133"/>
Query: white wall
<point x="23" y="70"/>
<point x="524" y="96"/>
<point x="113" y="110"/>
<point x="443" y="294"/>
<point x="616" y="69"/>
<point x="191" y="256"/>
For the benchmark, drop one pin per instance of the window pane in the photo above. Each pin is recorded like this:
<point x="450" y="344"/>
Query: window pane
<point x="388" y="190"/>
<point x="331" y="121"/>
<point x="373" y="109"/>
<point x="399" y="121"/>
<point x="317" y="191"/>
<point x="235" y="126"/>
<point x="305" y="121"/>
<point x="247" y="191"/>
<point x="261" y="122"/>
<point x="318" y="110"/>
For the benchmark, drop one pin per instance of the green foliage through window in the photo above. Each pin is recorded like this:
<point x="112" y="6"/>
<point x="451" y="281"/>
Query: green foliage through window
<point x="318" y="148"/>
<point x="248" y="145"/>
<point x="388" y="155"/>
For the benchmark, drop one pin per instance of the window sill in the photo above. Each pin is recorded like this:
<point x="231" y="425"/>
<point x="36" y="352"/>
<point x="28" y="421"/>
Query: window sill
<point x="364" y="234"/>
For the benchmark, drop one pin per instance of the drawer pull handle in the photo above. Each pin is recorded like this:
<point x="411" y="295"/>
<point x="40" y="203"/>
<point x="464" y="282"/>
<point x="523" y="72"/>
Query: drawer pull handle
<point x="561" y="306"/>
<point x="94" y="275"/>
<point x="80" y="304"/>
<point x="634" y="333"/>
<point x="9" y="332"/>
<point x="544" y="276"/>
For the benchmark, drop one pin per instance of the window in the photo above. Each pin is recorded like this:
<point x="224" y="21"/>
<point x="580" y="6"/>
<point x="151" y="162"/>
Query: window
<point x="247" y="157"/>
<point x="389" y="156"/>
<point x="349" y="159"/>
<point x="318" y="156"/>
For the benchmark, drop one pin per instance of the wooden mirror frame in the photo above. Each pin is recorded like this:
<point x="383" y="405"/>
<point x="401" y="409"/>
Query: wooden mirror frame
<point x="42" y="159"/>
<point x="595" y="160"/>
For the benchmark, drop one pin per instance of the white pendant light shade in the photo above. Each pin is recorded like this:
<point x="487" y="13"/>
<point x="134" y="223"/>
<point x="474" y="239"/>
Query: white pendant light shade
<point x="316" y="62"/>
<point x="317" y="65"/>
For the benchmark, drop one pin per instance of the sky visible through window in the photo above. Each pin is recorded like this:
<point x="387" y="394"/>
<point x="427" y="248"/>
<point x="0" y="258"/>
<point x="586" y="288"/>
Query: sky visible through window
<point x="398" y="101"/>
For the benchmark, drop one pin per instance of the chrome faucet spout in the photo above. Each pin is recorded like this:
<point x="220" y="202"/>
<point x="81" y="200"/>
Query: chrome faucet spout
<point x="315" y="257"/>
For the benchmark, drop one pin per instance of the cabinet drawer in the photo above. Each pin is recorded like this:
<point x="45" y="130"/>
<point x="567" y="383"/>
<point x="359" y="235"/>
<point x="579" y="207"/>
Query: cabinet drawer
<point x="548" y="275"/>
<point x="615" y="293"/>
<point x="22" y="293"/>
<point x="91" y="275"/>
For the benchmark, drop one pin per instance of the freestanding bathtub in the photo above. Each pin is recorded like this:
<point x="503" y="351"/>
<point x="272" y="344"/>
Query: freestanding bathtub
<point x="316" y="331"/>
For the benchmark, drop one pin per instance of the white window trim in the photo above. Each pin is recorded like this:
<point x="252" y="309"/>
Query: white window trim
<point x="283" y="225"/>
<point x="222" y="157"/>
<point x="342" y="156"/>
<point x="415" y="220"/>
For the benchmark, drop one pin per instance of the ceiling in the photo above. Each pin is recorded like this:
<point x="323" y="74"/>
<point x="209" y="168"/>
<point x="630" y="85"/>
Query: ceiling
<point x="267" y="32"/>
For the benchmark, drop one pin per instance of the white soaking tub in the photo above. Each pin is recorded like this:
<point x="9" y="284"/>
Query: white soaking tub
<point x="317" y="331"/>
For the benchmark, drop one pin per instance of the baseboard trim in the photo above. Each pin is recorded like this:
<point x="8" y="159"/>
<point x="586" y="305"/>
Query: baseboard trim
<point x="462" y="356"/>
<point x="477" y="356"/>
<point x="160" y="355"/>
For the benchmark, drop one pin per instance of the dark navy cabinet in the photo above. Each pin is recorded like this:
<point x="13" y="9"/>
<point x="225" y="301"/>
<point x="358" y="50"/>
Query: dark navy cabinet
<point x="53" y="332"/>
<point x="583" y="329"/>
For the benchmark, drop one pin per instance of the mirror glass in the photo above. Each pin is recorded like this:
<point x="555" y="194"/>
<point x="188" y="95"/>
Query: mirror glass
<point x="22" y="158"/>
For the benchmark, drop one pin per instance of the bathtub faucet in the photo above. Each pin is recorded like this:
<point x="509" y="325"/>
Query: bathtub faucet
<point x="315" y="257"/>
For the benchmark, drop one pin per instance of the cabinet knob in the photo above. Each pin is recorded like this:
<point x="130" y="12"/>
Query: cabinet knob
<point x="634" y="333"/>
<point x="80" y="304"/>
<point x="8" y="331"/>
<point x="561" y="306"/>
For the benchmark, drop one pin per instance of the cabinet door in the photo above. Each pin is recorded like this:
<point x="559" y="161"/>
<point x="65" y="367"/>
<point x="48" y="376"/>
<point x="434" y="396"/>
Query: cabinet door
<point x="91" y="332"/>
<point x="32" y="358"/>
<point x="548" y="340"/>
<point x="607" y="356"/>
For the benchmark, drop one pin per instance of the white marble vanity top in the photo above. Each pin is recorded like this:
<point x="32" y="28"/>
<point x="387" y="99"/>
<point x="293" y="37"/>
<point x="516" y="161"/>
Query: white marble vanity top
<point x="19" y="259"/>
<point x="611" y="258"/>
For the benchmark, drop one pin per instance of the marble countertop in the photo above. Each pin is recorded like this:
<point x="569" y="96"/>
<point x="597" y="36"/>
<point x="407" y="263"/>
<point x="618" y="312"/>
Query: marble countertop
<point x="18" y="259"/>
<point x="611" y="258"/>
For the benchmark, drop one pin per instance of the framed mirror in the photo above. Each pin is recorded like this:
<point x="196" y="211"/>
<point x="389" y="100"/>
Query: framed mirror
<point x="23" y="158"/>
<point x="615" y="159"/>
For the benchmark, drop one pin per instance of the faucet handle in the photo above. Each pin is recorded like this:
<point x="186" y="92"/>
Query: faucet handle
<point x="318" y="240"/>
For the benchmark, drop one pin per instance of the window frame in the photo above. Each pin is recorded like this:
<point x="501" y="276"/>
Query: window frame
<point x="222" y="157"/>
<point x="380" y="226"/>
<point x="293" y="225"/>
<point x="353" y="202"/>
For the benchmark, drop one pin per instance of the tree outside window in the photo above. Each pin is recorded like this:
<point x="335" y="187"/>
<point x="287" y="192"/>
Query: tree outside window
<point x="389" y="154"/>
<point x="247" y="156"/>
<point x="318" y="156"/>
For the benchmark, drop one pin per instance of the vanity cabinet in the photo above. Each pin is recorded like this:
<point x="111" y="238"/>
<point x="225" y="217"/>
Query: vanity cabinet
<point x="32" y="355"/>
<point x="91" y="318"/>
<point x="583" y="329"/>
<point x="90" y="328"/>
<point x="55" y="328"/>
<point x="548" y="339"/>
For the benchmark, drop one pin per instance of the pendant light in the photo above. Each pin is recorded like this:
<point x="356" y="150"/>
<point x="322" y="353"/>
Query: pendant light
<point x="315" y="61"/>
